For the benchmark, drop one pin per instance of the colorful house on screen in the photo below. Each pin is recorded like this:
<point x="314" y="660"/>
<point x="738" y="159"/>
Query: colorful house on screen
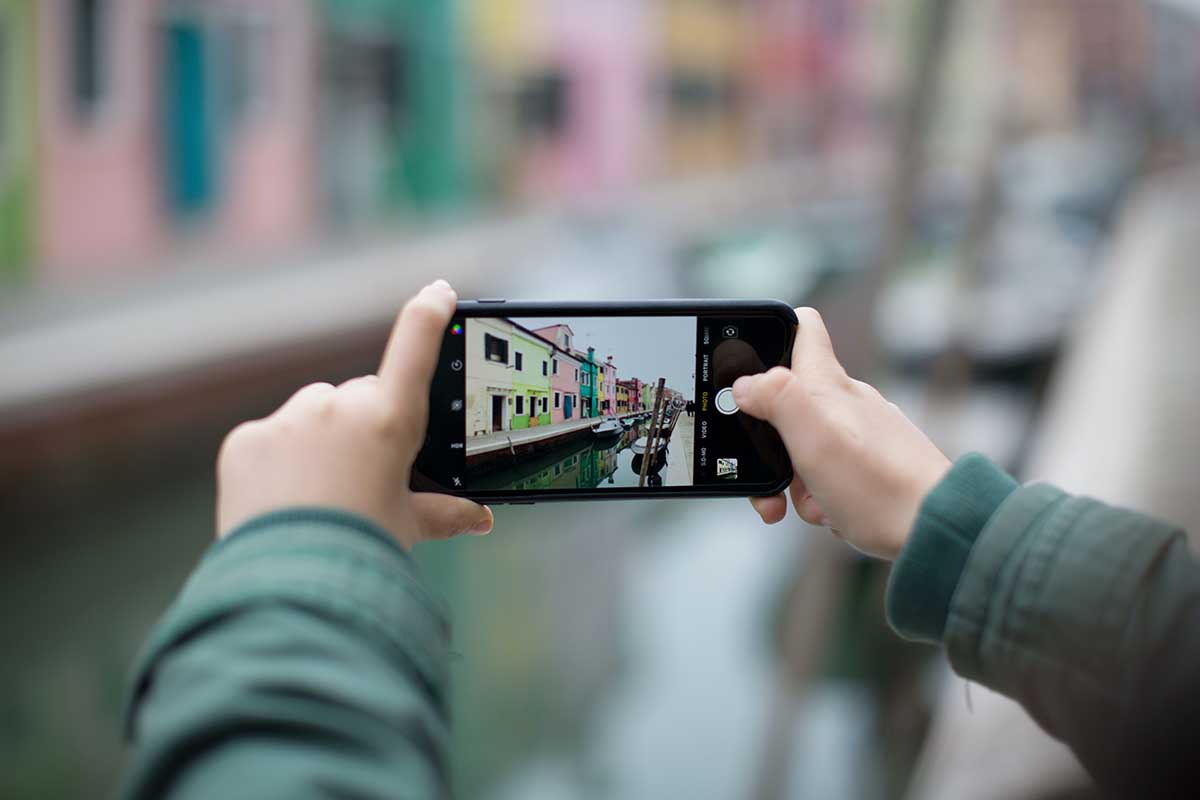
<point x="17" y="138"/>
<point x="489" y="398"/>
<point x="608" y="382"/>
<point x="602" y="394"/>
<point x="649" y="390"/>
<point x="588" y="376"/>
<point x="632" y="391"/>
<point x="564" y="372"/>
<point x="530" y="378"/>
<point x="622" y="397"/>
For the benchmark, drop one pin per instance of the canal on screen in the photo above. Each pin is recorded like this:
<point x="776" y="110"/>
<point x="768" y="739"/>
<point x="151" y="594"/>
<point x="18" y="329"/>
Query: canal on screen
<point x="583" y="463"/>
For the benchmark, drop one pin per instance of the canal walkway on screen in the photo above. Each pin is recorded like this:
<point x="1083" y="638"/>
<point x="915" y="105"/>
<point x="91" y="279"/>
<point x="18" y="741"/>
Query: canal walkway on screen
<point x="679" y="466"/>
<point x="541" y="434"/>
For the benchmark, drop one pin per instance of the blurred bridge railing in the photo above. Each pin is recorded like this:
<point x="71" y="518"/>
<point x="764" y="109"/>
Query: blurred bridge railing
<point x="1121" y="424"/>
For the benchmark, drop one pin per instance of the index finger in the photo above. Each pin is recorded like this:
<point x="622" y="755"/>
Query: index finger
<point x="416" y="339"/>
<point x="812" y="339"/>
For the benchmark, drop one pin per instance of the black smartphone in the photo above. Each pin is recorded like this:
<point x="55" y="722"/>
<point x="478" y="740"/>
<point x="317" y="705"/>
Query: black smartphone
<point x="537" y="401"/>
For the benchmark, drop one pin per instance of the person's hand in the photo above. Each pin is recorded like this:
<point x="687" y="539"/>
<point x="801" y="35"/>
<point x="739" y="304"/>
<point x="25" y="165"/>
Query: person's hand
<point x="352" y="447"/>
<point x="861" y="467"/>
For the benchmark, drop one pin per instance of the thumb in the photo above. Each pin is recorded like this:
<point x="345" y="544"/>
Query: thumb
<point x="777" y="397"/>
<point x="441" y="516"/>
<point x="769" y="396"/>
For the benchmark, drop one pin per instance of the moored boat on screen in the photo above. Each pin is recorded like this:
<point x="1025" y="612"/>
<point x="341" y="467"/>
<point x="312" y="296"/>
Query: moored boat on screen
<point x="654" y="468"/>
<point x="640" y="446"/>
<point x="609" y="427"/>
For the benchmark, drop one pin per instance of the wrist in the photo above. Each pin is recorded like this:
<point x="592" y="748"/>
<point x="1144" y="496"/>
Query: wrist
<point x="951" y="517"/>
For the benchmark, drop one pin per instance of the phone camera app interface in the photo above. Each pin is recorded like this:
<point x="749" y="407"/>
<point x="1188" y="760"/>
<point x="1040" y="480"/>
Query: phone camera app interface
<point x="604" y="403"/>
<point x="577" y="403"/>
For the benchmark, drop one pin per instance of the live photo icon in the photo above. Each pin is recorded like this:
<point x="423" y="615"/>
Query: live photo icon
<point x="726" y="467"/>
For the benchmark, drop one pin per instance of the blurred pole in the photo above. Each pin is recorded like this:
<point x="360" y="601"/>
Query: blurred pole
<point x="934" y="23"/>
<point x="652" y="434"/>
<point x="814" y="601"/>
<point x="950" y="376"/>
<point x="811" y="609"/>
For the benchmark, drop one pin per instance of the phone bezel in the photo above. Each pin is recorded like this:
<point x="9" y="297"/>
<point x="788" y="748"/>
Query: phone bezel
<point x="630" y="308"/>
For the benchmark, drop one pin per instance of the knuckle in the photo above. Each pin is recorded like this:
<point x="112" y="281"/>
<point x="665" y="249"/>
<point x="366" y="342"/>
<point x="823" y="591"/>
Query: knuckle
<point x="382" y="419"/>
<point x="313" y="399"/>
<point x="362" y="381"/>
<point x="775" y="386"/>
<point x="424" y="311"/>
<point x="810" y="318"/>
<point x="864" y="389"/>
<point x="238" y="441"/>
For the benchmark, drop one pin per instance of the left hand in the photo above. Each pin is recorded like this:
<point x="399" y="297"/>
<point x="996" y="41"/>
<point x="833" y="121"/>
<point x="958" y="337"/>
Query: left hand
<point x="353" y="446"/>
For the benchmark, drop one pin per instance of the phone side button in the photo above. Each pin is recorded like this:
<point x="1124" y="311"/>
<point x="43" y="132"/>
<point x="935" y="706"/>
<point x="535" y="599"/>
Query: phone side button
<point x="520" y="502"/>
<point x="489" y="300"/>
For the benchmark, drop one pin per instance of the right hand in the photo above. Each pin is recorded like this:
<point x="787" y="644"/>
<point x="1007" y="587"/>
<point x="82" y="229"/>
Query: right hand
<point x="862" y="468"/>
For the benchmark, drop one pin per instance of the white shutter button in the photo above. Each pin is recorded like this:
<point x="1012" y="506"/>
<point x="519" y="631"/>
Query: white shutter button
<point x="725" y="402"/>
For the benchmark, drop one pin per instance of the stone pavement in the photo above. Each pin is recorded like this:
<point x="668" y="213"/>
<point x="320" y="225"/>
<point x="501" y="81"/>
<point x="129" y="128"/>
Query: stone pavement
<point x="478" y="445"/>
<point x="679" y="465"/>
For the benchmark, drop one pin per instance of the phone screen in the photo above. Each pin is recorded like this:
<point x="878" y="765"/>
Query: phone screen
<point x="533" y="405"/>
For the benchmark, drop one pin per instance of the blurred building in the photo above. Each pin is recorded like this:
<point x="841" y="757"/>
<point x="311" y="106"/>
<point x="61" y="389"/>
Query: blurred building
<point x="167" y="122"/>
<point x="1071" y="59"/>
<point x="704" y="64"/>
<point x="98" y="129"/>
<point x="804" y="75"/>
<point x="563" y="89"/>
<point x="390" y="109"/>
<point x="17" y="138"/>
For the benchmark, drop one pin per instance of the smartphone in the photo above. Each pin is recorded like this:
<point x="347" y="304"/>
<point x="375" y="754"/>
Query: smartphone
<point x="535" y="401"/>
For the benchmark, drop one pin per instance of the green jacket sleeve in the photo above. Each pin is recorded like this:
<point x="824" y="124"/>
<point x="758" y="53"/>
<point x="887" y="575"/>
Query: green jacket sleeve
<point x="1087" y="615"/>
<point x="303" y="658"/>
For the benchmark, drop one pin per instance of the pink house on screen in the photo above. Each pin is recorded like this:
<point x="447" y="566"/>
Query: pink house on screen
<point x="564" y="373"/>
<point x="610" y="386"/>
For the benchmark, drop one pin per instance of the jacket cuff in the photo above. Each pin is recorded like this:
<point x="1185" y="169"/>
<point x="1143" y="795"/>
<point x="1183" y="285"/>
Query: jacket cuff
<point x="928" y="569"/>
<point x="325" y="561"/>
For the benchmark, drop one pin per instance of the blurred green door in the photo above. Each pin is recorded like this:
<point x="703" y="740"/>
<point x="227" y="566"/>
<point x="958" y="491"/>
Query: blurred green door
<point x="16" y="140"/>
<point x="390" y="94"/>
<point x="188" y="130"/>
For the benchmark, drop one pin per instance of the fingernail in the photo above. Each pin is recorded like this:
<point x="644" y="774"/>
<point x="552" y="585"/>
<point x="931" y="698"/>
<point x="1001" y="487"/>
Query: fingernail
<point x="481" y="527"/>
<point x="825" y="522"/>
<point x="441" y="283"/>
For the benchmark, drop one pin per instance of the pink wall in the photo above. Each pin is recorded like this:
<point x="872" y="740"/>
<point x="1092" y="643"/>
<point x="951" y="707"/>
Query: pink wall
<point x="565" y="380"/>
<point x="98" y="207"/>
<point x="610" y="386"/>
<point x="102" y="202"/>
<point x="269" y="181"/>
<point x="604" y="50"/>
<point x="565" y="383"/>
